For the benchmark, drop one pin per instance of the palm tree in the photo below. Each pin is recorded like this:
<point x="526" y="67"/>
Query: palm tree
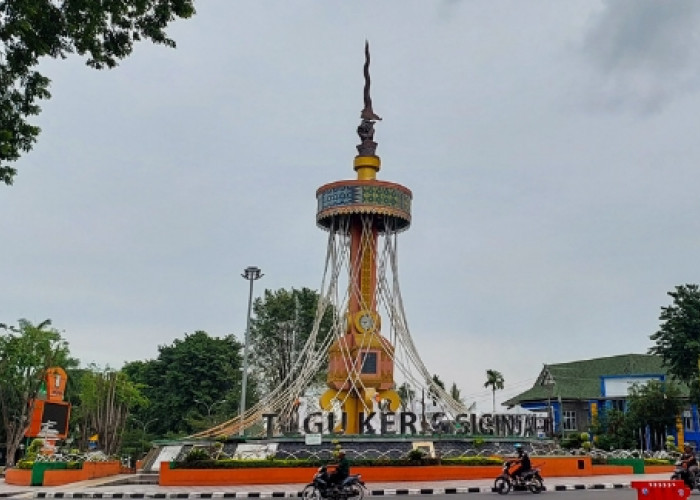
<point x="455" y="393"/>
<point x="406" y="394"/>
<point x="495" y="380"/>
<point x="432" y="393"/>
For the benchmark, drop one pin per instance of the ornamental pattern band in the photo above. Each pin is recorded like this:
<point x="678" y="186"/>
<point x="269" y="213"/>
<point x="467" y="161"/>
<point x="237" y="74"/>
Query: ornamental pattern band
<point x="393" y="198"/>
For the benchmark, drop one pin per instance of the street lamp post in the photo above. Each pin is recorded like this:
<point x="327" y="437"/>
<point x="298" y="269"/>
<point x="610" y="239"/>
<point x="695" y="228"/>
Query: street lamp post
<point x="143" y="425"/>
<point x="209" y="407"/>
<point x="548" y="381"/>
<point x="251" y="273"/>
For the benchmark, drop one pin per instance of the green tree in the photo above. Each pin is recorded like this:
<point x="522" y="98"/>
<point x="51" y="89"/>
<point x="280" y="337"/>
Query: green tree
<point x="105" y="32"/>
<point x="655" y="405"/>
<point x="196" y="368"/>
<point x="407" y="395"/>
<point x="283" y="321"/>
<point x="678" y="339"/>
<point x="495" y="380"/>
<point x="455" y="393"/>
<point x="432" y="394"/>
<point x="26" y="352"/>
<point x="106" y="399"/>
<point x="614" y="431"/>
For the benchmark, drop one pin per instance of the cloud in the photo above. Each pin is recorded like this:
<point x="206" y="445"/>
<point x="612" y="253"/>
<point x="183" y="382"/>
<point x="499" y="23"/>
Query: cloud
<point x="644" y="52"/>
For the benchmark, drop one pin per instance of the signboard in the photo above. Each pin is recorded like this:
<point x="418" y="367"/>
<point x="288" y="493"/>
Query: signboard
<point x="255" y="451"/>
<point x="55" y="383"/>
<point x="49" y="420"/>
<point x="313" y="439"/>
<point x="514" y="425"/>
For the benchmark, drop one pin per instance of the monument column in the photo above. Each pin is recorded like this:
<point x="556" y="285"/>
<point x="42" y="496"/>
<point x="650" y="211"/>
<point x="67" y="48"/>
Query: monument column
<point x="361" y="365"/>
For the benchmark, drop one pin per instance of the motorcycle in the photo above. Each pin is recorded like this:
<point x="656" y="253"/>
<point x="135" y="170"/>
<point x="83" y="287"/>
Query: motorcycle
<point x="352" y="487"/>
<point x="528" y="481"/>
<point x="680" y="473"/>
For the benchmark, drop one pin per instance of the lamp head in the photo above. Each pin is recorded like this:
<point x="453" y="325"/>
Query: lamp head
<point x="252" y="273"/>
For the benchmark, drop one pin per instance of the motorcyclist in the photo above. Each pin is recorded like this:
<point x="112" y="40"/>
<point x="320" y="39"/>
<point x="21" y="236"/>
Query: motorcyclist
<point x="523" y="462"/>
<point x="690" y="462"/>
<point x="342" y="470"/>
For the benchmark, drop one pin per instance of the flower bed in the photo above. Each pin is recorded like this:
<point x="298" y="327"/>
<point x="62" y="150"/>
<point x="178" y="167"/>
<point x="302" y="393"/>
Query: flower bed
<point x="90" y="470"/>
<point x="245" y="473"/>
<point x="55" y="477"/>
<point x="228" y="463"/>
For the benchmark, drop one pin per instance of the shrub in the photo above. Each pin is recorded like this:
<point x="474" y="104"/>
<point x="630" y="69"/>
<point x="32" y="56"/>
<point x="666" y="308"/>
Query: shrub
<point x="671" y="444"/>
<point x="605" y="442"/>
<point x="33" y="451"/>
<point x="416" y="455"/>
<point x="230" y="463"/>
<point x="572" y="441"/>
<point x="25" y="464"/>
<point x="35" y="446"/>
<point x="658" y="461"/>
<point x="197" y="455"/>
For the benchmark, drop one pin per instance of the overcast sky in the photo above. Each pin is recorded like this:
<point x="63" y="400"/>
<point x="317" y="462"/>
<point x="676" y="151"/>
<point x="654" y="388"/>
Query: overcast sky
<point x="551" y="147"/>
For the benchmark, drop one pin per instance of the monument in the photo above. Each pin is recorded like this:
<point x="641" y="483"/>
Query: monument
<point x="361" y="359"/>
<point x="376" y="381"/>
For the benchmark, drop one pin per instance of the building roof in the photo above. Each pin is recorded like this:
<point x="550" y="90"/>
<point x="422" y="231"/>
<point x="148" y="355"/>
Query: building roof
<point x="582" y="379"/>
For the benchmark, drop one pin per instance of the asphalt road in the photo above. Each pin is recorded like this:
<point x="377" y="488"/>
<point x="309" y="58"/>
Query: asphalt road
<point x="571" y="488"/>
<point x="618" y="494"/>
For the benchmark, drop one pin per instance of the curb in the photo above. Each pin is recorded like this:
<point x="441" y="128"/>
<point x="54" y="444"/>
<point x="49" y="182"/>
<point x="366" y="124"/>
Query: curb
<point x="294" y="494"/>
<point x="599" y="486"/>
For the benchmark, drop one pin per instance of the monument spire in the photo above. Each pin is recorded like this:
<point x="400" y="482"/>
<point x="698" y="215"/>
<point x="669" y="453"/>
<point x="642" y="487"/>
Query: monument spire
<point x="368" y="113"/>
<point x="367" y="163"/>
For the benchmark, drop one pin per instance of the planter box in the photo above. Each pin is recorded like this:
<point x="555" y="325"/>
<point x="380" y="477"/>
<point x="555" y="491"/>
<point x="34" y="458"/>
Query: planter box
<point x="90" y="470"/>
<point x="551" y="467"/>
<point x="658" y="469"/>
<point x="101" y="469"/>
<point x="612" y="470"/>
<point x="60" y="477"/>
<point x="41" y="468"/>
<point x="564" y="466"/>
<point x="223" y="477"/>
<point x="426" y="473"/>
<point x="636" y="463"/>
<point x="19" y="477"/>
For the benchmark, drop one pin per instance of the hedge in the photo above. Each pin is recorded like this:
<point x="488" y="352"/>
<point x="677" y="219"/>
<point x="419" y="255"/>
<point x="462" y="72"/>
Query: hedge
<point x="379" y="462"/>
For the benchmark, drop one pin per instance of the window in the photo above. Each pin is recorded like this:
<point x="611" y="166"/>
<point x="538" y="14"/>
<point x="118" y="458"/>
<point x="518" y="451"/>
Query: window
<point x="618" y="404"/>
<point x="688" y="421"/>
<point x="369" y="363"/>
<point x="568" y="420"/>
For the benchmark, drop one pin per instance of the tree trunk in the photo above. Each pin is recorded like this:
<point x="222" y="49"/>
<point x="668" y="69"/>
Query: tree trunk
<point x="11" y="445"/>
<point x="14" y="432"/>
